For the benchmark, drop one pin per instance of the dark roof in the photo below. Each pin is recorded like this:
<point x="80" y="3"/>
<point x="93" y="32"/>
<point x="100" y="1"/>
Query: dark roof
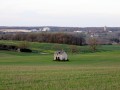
<point x="59" y="52"/>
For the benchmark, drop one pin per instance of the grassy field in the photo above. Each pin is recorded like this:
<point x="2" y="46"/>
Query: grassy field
<point x="50" y="47"/>
<point x="86" y="71"/>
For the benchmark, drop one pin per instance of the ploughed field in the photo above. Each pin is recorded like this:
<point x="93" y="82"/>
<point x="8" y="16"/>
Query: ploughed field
<point x="86" y="71"/>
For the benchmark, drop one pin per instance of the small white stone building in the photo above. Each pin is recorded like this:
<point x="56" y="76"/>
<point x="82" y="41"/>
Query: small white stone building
<point x="60" y="56"/>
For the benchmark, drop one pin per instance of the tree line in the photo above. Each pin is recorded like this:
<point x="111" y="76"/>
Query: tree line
<point x="61" y="38"/>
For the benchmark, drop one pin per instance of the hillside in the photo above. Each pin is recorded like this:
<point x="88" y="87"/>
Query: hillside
<point x="35" y="71"/>
<point x="50" y="47"/>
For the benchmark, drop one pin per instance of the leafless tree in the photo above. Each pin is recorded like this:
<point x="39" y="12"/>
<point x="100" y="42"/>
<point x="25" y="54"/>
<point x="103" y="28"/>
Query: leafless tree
<point x="93" y="43"/>
<point x="24" y="44"/>
<point x="73" y="48"/>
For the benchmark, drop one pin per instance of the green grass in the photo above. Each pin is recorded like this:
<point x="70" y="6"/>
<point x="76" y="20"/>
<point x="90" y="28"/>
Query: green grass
<point x="96" y="71"/>
<point x="34" y="71"/>
<point x="50" y="47"/>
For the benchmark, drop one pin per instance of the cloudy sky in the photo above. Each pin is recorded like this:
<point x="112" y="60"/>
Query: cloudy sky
<point x="80" y="13"/>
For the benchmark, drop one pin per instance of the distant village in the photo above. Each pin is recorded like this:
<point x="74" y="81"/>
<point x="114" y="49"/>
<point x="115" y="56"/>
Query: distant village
<point x="95" y="31"/>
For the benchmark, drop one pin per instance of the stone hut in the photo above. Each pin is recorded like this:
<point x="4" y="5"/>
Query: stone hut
<point x="60" y="56"/>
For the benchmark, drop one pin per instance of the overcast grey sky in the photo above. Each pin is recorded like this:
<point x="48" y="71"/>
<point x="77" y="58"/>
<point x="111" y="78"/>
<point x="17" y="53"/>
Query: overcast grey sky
<point x="80" y="13"/>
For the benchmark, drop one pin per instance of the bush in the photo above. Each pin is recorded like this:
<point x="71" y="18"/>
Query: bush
<point x="8" y="47"/>
<point x="25" y="50"/>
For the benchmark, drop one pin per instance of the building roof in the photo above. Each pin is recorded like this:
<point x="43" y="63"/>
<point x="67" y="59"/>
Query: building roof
<point x="59" y="52"/>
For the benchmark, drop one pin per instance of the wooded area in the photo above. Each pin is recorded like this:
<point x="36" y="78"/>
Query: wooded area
<point x="62" y="38"/>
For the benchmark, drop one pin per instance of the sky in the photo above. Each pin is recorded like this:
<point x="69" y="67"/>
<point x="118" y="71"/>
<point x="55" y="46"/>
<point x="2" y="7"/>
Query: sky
<point x="68" y="13"/>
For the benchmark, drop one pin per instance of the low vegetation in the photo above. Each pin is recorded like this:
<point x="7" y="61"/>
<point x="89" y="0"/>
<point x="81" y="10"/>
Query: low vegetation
<point x="37" y="47"/>
<point x="35" y="71"/>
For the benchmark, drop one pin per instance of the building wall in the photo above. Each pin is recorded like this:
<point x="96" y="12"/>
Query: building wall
<point x="61" y="56"/>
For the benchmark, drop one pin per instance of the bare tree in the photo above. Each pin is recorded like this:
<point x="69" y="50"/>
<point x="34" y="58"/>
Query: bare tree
<point x="73" y="49"/>
<point x="24" y="44"/>
<point x="93" y="43"/>
<point x="57" y="47"/>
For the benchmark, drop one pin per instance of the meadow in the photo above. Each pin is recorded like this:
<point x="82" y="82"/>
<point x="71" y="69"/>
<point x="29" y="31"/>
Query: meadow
<point x="84" y="71"/>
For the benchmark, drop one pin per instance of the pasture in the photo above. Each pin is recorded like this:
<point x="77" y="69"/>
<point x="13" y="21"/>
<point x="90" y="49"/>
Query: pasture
<point x="86" y="71"/>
